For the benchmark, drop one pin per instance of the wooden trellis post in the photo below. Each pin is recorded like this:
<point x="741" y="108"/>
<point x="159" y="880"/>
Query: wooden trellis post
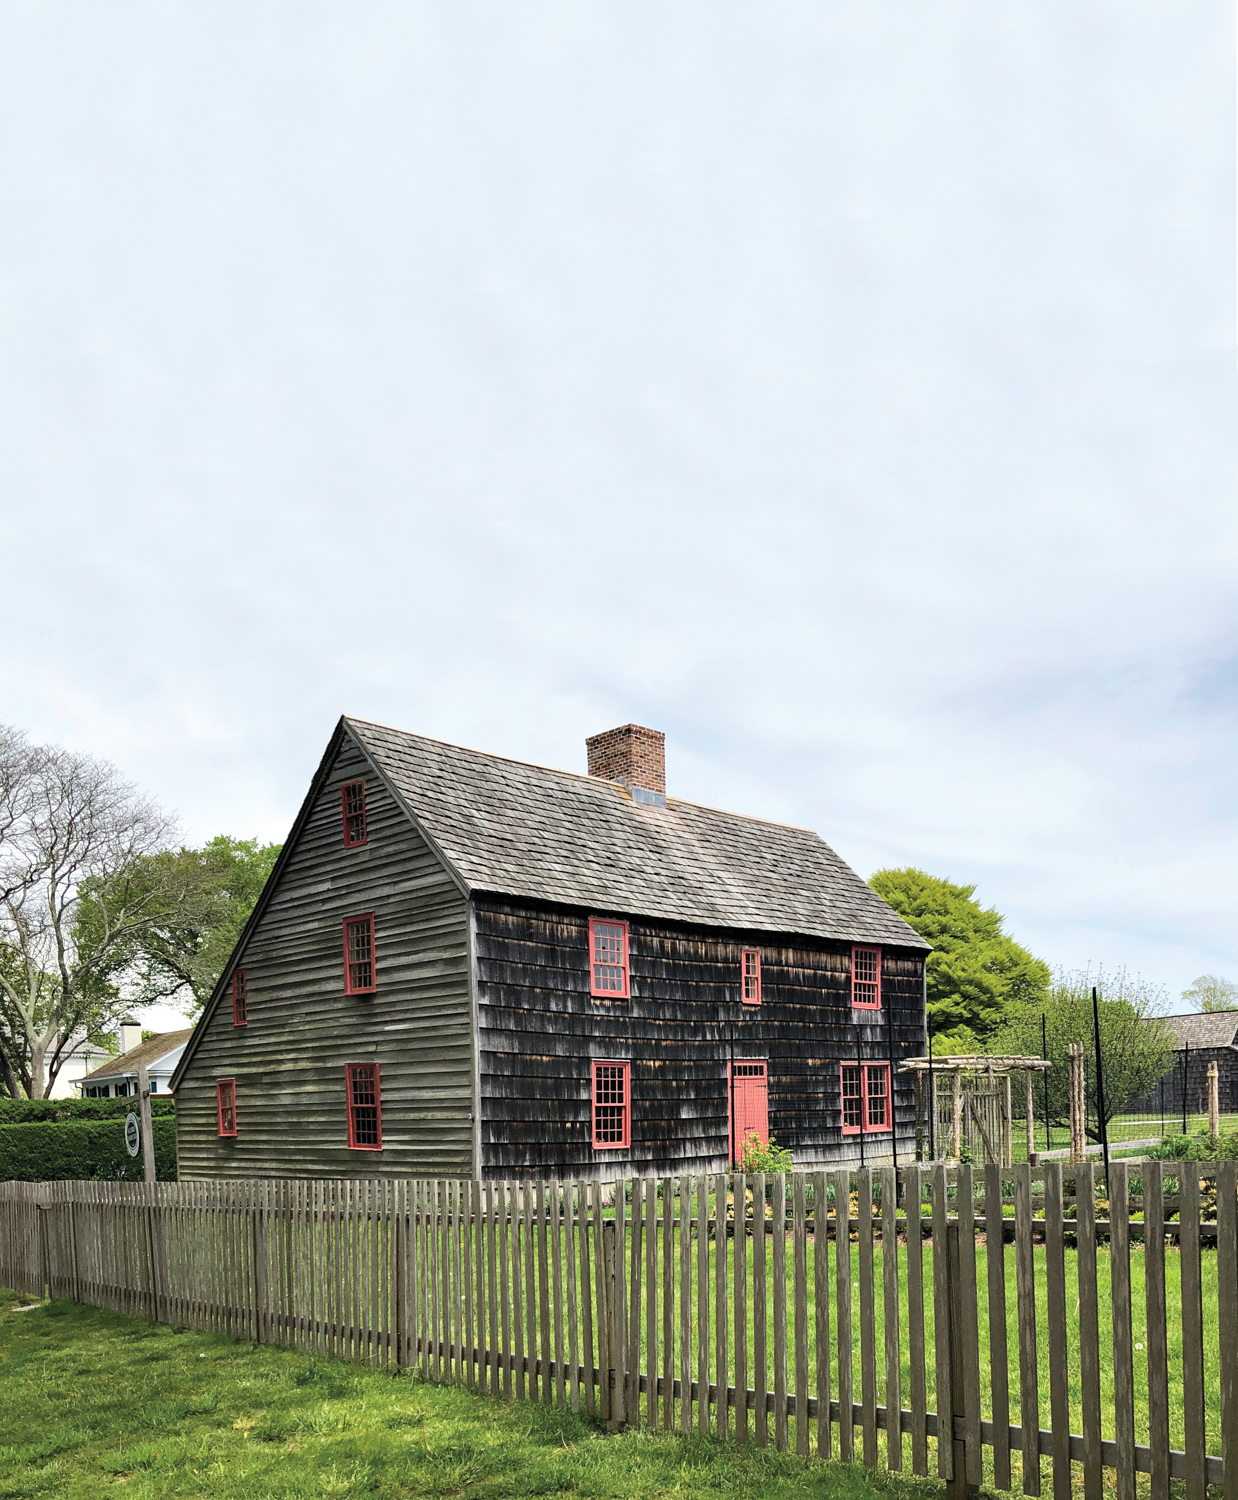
<point x="1214" y="1100"/>
<point x="1078" y="1103"/>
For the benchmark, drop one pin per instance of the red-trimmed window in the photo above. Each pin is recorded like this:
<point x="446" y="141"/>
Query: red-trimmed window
<point x="866" y="1097"/>
<point x="359" y="972"/>
<point x="352" y="799"/>
<point x="240" y="998"/>
<point x="612" y="1112"/>
<point x="750" y="970"/>
<point x="225" y="1099"/>
<point x="365" y="1107"/>
<point x="866" y="978"/>
<point x="608" y="959"/>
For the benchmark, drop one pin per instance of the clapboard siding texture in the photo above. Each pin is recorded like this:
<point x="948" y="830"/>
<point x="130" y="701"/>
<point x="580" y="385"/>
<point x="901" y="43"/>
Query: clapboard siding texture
<point x="539" y="1029"/>
<point x="289" y="1061"/>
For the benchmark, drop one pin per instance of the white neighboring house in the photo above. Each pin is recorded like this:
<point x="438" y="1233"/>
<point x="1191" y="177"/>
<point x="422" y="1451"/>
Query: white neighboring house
<point x="118" y="1076"/>
<point x="85" y="1058"/>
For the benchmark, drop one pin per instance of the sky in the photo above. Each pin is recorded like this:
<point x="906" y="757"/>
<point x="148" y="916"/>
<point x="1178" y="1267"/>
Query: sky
<point x="846" y="389"/>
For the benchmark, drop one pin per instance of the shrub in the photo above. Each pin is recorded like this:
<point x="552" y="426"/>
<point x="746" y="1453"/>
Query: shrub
<point x="1201" y="1147"/>
<point x="754" y="1157"/>
<point x="28" y="1111"/>
<point x="82" y="1150"/>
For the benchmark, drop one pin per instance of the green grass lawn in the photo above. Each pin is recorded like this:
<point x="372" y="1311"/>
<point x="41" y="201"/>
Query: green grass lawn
<point x="96" y="1403"/>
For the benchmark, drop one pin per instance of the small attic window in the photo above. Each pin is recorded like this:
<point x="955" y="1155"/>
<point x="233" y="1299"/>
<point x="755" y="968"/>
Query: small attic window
<point x="240" y="999"/>
<point x="352" y="797"/>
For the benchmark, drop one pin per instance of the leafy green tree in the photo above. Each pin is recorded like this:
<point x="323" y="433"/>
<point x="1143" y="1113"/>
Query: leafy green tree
<point x="975" y="972"/>
<point x="1211" y="992"/>
<point x="1136" y="1042"/>
<point x="181" y="957"/>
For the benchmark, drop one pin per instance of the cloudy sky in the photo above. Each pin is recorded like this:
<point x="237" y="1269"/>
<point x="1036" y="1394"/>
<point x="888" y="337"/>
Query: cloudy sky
<point x="846" y="389"/>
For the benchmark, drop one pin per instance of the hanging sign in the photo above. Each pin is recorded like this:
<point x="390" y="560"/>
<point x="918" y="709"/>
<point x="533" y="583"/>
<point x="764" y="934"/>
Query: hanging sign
<point x="133" y="1134"/>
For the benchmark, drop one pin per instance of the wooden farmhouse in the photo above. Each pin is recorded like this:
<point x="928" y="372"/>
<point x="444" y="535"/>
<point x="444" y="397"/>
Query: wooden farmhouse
<point x="464" y="964"/>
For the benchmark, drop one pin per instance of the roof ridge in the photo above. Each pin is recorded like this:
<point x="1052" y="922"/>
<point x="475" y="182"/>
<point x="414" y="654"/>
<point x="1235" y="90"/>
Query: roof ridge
<point x="538" y="765"/>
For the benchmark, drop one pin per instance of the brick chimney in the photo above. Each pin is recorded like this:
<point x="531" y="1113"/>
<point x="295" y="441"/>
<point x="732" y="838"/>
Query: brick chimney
<point x="634" y="757"/>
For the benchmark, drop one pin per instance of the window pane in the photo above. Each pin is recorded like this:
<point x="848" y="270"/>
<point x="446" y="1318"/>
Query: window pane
<point x="364" y="1105"/>
<point x="360" y="955"/>
<point x="877" y="1097"/>
<point x="609" y="1104"/>
<point x="852" y="1112"/>
<point x="865" y="976"/>
<point x="609" y="959"/>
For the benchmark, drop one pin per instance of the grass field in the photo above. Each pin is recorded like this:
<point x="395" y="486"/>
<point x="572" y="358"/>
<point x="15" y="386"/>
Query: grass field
<point x="95" y="1403"/>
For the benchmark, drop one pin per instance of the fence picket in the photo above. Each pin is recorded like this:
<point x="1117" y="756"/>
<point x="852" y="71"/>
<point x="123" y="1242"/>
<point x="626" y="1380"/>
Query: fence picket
<point x="668" y="1302"/>
<point x="1055" y="1294"/>
<point x="1227" y="1319"/>
<point x="821" y="1308"/>
<point x="702" y="1305"/>
<point x="1123" y="1349"/>
<point x="995" y="1276"/>
<point x="868" y="1316"/>
<point x="685" y="1304"/>
<point x="800" y="1297"/>
<point x="889" y="1281"/>
<point x="914" y="1198"/>
<point x="1025" y="1303"/>
<point x="941" y="1321"/>
<point x="842" y="1292"/>
<point x="651" y="1299"/>
<point x="740" y="1303"/>
<point x="571" y="1194"/>
<point x="1089" y="1329"/>
<point x="760" y="1420"/>
<point x="1193" y="1395"/>
<point x="780" y="1310"/>
<point x="722" y="1353"/>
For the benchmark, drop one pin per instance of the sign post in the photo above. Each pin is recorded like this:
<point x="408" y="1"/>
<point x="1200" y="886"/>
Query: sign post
<point x="148" y="1136"/>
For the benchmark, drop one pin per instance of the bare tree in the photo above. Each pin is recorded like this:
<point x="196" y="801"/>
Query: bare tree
<point x="73" y="833"/>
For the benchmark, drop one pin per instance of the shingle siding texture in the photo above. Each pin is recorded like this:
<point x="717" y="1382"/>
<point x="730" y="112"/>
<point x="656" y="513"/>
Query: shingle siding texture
<point x="516" y="829"/>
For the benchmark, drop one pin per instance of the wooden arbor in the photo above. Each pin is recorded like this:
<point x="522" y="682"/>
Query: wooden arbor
<point x="966" y="1101"/>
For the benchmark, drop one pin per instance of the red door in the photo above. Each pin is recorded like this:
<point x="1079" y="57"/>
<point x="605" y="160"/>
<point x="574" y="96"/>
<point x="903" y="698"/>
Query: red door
<point x="749" y="1105"/>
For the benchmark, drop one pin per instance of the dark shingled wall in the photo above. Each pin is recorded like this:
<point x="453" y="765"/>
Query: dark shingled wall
<point x="539" y="1029"/>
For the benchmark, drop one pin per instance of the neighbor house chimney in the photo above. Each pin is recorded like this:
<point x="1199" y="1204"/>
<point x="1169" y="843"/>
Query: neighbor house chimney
<point x="130" y="1035"/>
<point x="634" y="757"/>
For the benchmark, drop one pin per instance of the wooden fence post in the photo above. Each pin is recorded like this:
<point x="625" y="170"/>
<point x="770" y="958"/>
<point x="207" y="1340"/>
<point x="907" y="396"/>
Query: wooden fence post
<point x="957" y="1487"/>
<point x="612" y="1375"/>
<point x="1214" y="1100"/>
<point x="1078" y="1104"/>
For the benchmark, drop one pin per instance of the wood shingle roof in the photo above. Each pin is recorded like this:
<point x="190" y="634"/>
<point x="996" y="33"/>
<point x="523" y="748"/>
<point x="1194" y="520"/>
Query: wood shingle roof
<point x="516" y="829"/>
<point x="1205" y="1028"/>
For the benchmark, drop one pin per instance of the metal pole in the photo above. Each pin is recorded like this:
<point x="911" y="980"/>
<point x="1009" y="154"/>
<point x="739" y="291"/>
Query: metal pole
<point x="932" y="1101"/>
<point x="731" y="1088"/>
<point x="893" y="1116"/>
<point x="1100" y="1085"/>
<point x="1044" y="1052"/>
<point x="1186" y="1063"/>
<point x="859" y="1067"/>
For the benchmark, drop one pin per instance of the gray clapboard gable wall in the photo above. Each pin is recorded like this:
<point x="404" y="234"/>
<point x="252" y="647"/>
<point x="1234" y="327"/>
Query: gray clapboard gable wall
<point x="288" y="1062"/>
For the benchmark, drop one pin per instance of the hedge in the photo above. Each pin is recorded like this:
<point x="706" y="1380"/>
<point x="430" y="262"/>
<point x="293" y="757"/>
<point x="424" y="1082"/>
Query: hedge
<point x="82" y="1150"/>
<point x="28" y="1111"/>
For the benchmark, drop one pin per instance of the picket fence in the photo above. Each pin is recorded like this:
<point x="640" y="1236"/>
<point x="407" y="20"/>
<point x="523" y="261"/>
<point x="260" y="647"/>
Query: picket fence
<point x="725" y="1304"/>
